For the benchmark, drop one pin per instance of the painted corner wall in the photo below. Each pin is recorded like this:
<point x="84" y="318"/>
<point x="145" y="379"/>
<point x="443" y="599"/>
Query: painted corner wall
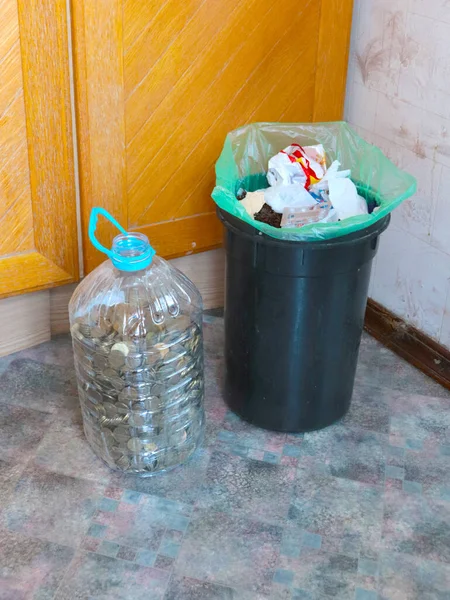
<point x="398" y="97"/>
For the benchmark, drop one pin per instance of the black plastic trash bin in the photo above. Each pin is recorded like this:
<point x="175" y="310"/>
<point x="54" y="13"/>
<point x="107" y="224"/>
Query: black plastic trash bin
<point x="294" y="314"/>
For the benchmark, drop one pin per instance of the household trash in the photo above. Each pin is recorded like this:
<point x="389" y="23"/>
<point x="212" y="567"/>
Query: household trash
<point x="331" y="173"/>
<point x="244" y="165"/>
<point x="253" y="202"/>
<point x="298" y="217"/>
<point x="241" y="193"/>
<point x="269" y="216"/>
<point x="345" y="199"/>
<point x="302" y="190"/>
<point x="288" y="196"/>
<point x="297" y="164"/>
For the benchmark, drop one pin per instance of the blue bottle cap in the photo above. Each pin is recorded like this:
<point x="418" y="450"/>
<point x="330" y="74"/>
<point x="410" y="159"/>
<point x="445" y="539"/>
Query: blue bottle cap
<point x="131" y="251"/>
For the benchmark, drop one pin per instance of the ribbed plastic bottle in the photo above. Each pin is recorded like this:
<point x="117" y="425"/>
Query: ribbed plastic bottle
<point x="136" y="324"/>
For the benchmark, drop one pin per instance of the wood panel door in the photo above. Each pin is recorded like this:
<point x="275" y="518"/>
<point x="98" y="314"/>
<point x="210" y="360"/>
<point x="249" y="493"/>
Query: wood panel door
<point x="159" y="83"/>
<point x="38" y="226"/>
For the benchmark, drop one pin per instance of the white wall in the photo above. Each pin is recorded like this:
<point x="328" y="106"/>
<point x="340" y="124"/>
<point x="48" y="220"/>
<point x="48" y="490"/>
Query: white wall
<point x="398" y="97"/>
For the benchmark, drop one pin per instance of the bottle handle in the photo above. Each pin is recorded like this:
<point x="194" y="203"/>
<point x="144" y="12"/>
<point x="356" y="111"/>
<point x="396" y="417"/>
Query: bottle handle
<point x="95" y="212"/>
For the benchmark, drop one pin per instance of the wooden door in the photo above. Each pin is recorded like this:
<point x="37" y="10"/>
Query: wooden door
<point x="38" y="227"/>
<point x="159" y="83"/>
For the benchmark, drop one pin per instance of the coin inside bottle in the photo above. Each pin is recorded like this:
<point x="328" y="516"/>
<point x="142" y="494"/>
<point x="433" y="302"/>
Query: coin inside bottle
<point x="138" y="409"/>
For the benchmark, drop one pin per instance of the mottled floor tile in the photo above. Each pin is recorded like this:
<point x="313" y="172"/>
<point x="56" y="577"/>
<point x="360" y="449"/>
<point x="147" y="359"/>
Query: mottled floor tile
<point x="10" y="473"/>
<point x="186" y="588"/>
<point x="321" y="575"/>
<point x="368" y="512"/>
<point x="30" y="569"/>
<point x="5" y="362"/>
<point x="405" y="577"/>
<point x="347" y="514"/>
<point x="64" y="449"/>
<point x="381" y="367"/>
<point x="182" y="483"/>
<point x="164" y="562"/>
<point x="58" y="351"/>
<point x="212" y="430"/>
<point x="369" y="408"/>
<point x="348" y="452"/>
<point x="140" y="523"/>
<point x="414" y="524"/>
<point x="230" y="550"/>
<point x="420" y="423"/>
<point x="297" y="541"/>
<point x="96" y="577"/>
<point x="21" y="430"/>
<point x="215" y="407"/>
<point x="236" y="430"/>
<point x="33" y="384"/>
<point x="429" y="474"/>
<point x="51" y="506"/>
<point x="247" y="487"/>
<point x="213" y="337"/>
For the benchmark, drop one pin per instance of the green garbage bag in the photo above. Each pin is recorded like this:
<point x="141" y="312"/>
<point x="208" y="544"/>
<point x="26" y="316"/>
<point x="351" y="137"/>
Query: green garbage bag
<point x="246" y="153"/>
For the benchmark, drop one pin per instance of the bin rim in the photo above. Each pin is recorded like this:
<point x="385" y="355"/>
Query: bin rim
<point x="259" y="237"/>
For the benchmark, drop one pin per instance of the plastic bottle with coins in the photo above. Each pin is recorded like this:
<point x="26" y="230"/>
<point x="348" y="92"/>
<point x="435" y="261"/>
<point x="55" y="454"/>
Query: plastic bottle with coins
<point x="136" y="325"/>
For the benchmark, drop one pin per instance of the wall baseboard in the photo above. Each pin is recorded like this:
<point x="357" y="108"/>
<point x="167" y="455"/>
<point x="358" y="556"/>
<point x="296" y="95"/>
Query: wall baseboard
<point x="417" y="348"/>
<point x="59" y="308"/>
<point x="24" y="321"/>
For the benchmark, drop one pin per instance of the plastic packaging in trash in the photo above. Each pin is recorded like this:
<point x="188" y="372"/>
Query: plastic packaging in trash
<point x="246" y="153"/>
<point x="299" y="217"/>
<point x="345" y="199"/>
<point x="331" y="173"/>
<point x="297" y="165"/>
<point x="280" y="197"/>
<point x="136" y="325"/>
